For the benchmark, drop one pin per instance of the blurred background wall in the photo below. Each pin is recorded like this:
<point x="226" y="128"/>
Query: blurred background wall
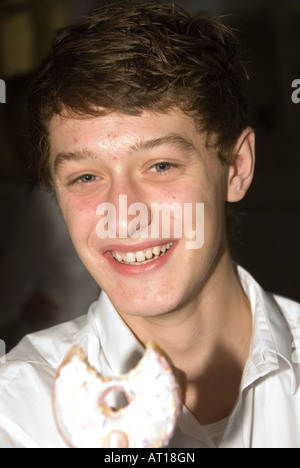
<point x="268" y="240"/>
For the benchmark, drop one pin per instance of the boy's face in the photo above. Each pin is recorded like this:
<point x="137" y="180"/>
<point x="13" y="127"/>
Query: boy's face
<point x="152" y="158"/>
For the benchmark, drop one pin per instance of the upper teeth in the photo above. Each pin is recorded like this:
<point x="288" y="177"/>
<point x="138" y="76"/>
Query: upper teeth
<point x="142" y="255"/>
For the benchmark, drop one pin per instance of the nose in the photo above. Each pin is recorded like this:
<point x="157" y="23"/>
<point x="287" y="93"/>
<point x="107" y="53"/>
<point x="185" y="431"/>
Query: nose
<point x="128" y="212"/>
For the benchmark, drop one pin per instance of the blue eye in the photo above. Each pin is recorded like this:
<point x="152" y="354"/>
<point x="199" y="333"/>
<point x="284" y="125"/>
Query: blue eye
<point x="162" y="167"/>
<point x="87" y="178"/>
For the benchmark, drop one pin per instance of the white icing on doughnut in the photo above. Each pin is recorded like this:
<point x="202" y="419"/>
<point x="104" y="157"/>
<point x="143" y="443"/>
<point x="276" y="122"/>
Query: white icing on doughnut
<point x="84" y="414"/>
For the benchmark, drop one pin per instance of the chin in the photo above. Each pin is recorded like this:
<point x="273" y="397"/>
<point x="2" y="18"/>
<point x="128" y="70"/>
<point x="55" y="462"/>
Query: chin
<point x="143" y="306"/>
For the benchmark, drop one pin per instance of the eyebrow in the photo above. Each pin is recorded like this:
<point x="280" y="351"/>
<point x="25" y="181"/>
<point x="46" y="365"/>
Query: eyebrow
<point x="62" y="158"/>
<point x="173" y="139"/>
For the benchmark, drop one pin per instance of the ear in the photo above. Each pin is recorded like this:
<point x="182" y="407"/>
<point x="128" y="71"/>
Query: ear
<point x="241" y="171"/>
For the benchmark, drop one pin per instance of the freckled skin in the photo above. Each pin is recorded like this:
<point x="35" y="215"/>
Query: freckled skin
<point x="191" y="303"/>
<point x="201" y="179"/>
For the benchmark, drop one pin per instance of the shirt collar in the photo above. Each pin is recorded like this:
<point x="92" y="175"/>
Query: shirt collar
<point x="122" y="350"/>
<point x="271" y="343"/>
<point x="271" y="340"/>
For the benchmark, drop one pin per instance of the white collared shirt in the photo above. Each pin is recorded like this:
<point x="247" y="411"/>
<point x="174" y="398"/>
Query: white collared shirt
<point x="267" y="413"/>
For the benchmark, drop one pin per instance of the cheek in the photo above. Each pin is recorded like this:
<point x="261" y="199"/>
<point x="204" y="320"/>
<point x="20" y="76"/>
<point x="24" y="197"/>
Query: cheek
<point x="207" y="221"/>
<point x="80" y="218"/>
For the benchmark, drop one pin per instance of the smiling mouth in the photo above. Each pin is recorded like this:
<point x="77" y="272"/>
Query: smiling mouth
<point x="142" y="257"/>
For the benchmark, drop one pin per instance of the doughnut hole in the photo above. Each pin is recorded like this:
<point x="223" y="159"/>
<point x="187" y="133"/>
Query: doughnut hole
<point x="114" y="399"/>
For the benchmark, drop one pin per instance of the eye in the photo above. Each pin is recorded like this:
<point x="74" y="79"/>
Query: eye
<point x="161" y="167"/>
<point x="87" y="178"/>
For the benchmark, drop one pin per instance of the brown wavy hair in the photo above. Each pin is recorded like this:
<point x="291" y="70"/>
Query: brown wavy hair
<point x="132" y="56"/>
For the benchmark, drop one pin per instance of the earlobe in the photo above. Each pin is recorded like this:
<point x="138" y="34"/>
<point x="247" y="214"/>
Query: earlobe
<point x="240" y="173"/>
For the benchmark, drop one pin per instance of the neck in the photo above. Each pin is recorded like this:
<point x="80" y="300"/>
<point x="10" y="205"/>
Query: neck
<point x="207" y="340"/>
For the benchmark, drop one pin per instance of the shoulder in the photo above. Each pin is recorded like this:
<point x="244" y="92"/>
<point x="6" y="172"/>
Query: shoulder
<point x="287" y="336"/>
<point x="286" y="310"/>
<point x="46" y="347"/>
<point x="290" y="306"/>
<point x="32" y="364"/>
<point x="34" y="361"/>
<point x="27" y="379"/>
<point x="290" y="310"/>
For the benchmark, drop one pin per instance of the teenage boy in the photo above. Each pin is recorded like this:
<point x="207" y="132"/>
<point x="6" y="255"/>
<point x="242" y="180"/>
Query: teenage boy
<point x="143" y="103"/>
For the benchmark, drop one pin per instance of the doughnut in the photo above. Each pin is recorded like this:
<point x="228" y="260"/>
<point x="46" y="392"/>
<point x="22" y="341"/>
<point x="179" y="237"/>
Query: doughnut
<point x="149" y="411"/>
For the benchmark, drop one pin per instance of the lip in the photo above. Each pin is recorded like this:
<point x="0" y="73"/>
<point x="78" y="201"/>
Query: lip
<point x="134" y="270"/>
<point x="136" y="247"/>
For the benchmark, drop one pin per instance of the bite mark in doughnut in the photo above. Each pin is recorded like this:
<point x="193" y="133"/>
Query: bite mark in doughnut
<point x="147" y="416"/>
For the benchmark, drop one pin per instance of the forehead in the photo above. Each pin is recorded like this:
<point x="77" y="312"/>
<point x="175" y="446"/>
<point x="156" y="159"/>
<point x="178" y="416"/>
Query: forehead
<point x="116" y="132"/>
